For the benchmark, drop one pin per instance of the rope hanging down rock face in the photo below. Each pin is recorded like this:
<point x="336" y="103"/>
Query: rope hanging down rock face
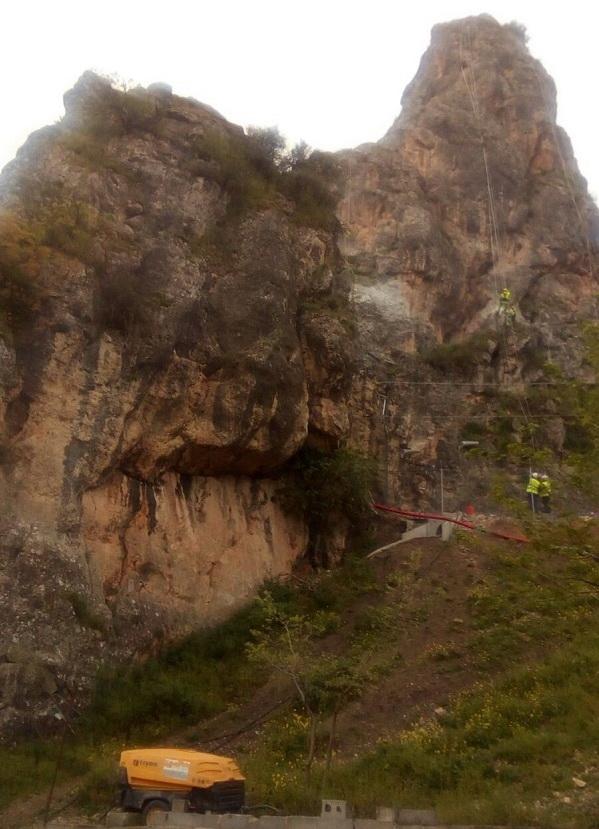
<point x="472" y="89"/>
<point x="506" y="313"/>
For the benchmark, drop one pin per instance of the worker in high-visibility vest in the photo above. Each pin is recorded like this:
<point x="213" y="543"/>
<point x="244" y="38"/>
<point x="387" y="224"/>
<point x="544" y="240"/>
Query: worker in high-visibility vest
<point x="545" y="493"/>
<point x="532" y="491"/>
<point x="505" y="299"/>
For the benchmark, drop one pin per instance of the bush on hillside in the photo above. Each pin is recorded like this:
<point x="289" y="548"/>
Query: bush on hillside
<point x="310" y="181"/>
<point x="518" y="29"/>
<point x="242" y="168"/>
<point x="118" y="112"/>
<point x="70" y="228"/>
<point x="20" y="262"/>
<point x="323" y="487"/>
<point x="128" y="300"/>
<point x="25" y="245"/>
<point x="460" y="357"/>
<point x="96" y="154"/>
<point x="266" y="149"/>
<point x="253" y="168"/>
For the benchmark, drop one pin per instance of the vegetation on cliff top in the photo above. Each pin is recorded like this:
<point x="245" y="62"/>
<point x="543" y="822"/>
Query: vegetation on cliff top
<point x="254" y="169"/>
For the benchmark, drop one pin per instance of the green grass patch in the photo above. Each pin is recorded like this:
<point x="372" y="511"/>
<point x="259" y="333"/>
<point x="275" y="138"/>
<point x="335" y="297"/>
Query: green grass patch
<point x="201" y="676"/>
<point x="497" y="756"/>
<point x="534" y="595"/>
<point x="206" y="673"/>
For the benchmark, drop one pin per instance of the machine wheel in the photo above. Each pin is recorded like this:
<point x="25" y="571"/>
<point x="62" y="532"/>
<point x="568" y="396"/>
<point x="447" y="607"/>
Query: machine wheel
<point x="151" y="809"/>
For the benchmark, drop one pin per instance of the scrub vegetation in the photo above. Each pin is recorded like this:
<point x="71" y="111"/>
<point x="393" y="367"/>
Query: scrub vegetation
<point x="503" y="748"/>
<point x="256" y="169"/>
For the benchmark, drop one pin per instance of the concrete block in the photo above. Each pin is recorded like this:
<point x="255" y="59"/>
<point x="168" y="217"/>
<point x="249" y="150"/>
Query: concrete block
<point x="335" y="809"/>
<point x="434" y="529"/>
<point x="419" y="531"/>
<point x="447" y="531"/>
<point x="116" y="818"/>
<point x="209" y="821"/>
<point x="416" y="817"/>
<point x="386" y="814"/>
<point x="60" y="824"/>
<point x="431" y="528"/>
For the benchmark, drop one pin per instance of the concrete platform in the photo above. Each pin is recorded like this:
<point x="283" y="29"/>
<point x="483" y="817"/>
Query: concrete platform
<point x="431" y="528"/>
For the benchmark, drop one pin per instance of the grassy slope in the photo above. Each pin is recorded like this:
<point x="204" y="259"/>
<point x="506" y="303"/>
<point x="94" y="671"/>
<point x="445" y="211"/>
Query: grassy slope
<point x="505" y="750"/>
<point x="502" y="641"/>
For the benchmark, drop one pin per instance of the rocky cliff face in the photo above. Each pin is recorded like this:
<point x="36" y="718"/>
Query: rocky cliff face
<point x="174" y="328"/>
<point x="166" y="349"/>
<point x="473" y="189"/>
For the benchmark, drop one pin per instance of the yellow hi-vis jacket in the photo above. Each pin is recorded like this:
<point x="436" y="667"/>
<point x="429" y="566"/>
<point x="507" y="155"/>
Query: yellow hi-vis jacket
<point x="505" y="295"/>
<point x="533" y="485"/>
<point x="544" y="488"/>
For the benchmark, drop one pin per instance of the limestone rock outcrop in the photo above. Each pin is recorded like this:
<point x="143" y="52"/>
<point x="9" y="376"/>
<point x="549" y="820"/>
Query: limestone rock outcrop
<point x="474" y="188"/>
<point x="174" y="327"/>
<point x="166" y="347"/>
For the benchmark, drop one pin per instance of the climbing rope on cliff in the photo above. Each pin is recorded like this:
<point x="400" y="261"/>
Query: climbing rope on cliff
<point x="506" y="312"/>
<point x="472" y="89"/>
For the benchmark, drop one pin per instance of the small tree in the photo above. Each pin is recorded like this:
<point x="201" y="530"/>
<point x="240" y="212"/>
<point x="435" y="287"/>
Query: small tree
<point x="519" y="29"/>
<point x="288" y="645"/>
<point x="334" y="682"/>
<point x="323" y="487"/>
<point x="266" y="148"/>
<point x="21" y="256"/>
<point x="284" y="645"/>
<point x="296" y="157"/>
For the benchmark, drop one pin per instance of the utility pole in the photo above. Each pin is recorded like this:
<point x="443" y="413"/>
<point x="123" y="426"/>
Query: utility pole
<point x="58" y="716"/>
<point x="442" y="492"/>
<point x="386" y="438"/>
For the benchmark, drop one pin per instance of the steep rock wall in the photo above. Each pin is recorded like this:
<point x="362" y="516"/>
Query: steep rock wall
<point x="167" y="347"/>
<point x="192" y="546"/>
<point x="173" y="330"/>
<point x="474" y="188"/>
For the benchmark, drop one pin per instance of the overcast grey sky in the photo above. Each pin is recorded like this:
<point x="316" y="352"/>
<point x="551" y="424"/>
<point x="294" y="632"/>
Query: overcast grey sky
<point x="329" y="71"/>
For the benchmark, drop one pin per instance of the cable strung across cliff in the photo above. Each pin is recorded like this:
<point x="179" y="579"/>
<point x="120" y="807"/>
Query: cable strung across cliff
<point x="460" y="522"/>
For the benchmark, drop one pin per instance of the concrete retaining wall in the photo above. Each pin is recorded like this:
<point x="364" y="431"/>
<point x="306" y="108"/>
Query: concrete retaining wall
<point x="175" y="822"/>
<point x="403" y="819"/>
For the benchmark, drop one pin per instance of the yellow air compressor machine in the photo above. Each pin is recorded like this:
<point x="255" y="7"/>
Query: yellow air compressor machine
<point x="151" y="779"/>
